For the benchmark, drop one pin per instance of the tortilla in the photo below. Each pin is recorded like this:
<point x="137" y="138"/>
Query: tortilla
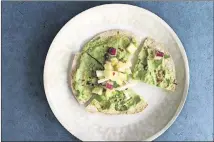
<point x="95" y="106"/>
<point x="73" y="70"/>
<point x="88" y="50"/>
<point x="135" y="109"/>
<point x="92" y="58"/>
<point x="166" y="67"/>
<point x="82" y="76"/>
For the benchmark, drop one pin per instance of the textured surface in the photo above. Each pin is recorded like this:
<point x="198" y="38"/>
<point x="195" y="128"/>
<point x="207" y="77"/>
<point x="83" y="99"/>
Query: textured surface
<point x="27" y="31"/>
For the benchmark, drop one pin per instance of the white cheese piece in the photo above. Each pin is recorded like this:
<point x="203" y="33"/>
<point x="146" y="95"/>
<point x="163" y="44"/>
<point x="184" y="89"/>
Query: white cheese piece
<point x="102" y="80"/>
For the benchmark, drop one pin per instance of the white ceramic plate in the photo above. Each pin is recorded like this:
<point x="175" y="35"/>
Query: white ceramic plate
<point x="163" y="107"/>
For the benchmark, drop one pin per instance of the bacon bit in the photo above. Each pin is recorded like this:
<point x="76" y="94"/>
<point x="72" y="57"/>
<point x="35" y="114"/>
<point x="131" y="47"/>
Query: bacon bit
<point x="109" y="86"/>
<point x="159" y="53"/>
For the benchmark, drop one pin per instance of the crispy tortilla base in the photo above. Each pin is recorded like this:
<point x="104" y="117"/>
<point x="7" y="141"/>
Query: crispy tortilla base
<point x="158" y="46"/>
<point x="73" y="70"/>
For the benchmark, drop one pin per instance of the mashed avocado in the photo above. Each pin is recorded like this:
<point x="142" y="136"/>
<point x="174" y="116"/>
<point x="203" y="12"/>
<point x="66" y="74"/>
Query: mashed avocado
<point x="85" y="77"/>
<point x="153" y="71"/>
<point x="93" y="58"/>
<point x="98" y="47"/>
<point x="104" y="70"/>
<point x="118" y="101"/>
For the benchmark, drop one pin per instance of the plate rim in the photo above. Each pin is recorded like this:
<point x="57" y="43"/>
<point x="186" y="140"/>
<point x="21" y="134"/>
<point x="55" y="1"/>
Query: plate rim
<point x="173" y="34"/>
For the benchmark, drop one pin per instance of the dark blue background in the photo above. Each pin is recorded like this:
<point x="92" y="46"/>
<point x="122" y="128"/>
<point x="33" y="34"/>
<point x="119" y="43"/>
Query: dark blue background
<point x="27" y="31"/>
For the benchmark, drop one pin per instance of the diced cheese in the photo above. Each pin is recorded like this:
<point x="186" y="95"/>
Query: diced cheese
<point x="122" y="76"/>
<point x="99" y="73"/>
<point x="108" y="74"/>
<point x="114" y="61"/>
<point x="102" y="80"/>
<point x="114" y="76"/>
<point x="108" y="66"/>
<point x="119" y="65"/>
<point x="123" y="66"/>
<point x="131" y="48"/>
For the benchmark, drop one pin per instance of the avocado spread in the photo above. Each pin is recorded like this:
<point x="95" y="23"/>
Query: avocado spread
<point x="117" y="101"/>
<point x="153" y="71"/>
<point x="85" y="76"/>
<point x="99" y="47"/>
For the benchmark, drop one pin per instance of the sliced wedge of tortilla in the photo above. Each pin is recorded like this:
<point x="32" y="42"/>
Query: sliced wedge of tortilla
<point x="83" y="76"/>
<point x="119" y="39"/>
<point x="155" y="66"/>
<point x="131" y="105"/>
